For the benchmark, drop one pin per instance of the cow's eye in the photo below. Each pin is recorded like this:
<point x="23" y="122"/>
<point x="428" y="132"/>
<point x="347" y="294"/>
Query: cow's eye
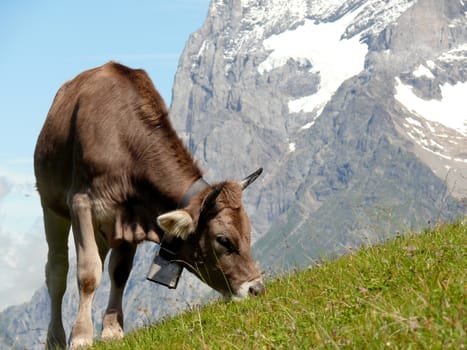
<point x="226" y="243"/>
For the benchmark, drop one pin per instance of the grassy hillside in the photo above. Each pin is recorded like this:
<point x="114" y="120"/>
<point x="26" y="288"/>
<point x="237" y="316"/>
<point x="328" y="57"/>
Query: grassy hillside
<point x="408" y="293"/>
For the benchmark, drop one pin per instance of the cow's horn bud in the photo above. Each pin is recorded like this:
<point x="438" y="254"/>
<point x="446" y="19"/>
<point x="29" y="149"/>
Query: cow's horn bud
<point x="250" y="178"/>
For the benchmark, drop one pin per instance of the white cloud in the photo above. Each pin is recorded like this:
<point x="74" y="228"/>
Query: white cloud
<point x="22" y="261"/>
<point x="5" y="187"/>
<point x="23" y="249"/>
<point x="16" y="171"/>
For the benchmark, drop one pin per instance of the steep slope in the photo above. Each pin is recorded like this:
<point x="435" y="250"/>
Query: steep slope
<point x="406" y="293"/>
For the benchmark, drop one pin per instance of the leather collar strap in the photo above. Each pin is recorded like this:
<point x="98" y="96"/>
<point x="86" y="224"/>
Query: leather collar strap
<point x="198" y="186"/>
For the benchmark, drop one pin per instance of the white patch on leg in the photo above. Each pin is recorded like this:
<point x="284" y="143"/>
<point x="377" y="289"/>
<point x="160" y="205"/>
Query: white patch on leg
<point x="111" y="327"/>
<point x="110" y="333"/>
<point x="80" y="343"/>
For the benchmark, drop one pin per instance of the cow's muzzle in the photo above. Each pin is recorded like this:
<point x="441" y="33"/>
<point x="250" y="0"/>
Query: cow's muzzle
<point x="257" y="288"/>
<point x="250" y="288"/>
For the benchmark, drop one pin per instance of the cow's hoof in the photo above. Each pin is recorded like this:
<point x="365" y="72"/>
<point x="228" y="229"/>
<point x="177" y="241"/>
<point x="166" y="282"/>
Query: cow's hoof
<point x="112" y="325"/>
<point x="111" y="333"/>
<point x="80" y="343"/>
<point x="56" y="339"/>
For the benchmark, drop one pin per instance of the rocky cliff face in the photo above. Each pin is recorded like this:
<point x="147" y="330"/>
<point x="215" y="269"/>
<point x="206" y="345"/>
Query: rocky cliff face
<point x="356" y="110"/>
<point x="334" y="99"/>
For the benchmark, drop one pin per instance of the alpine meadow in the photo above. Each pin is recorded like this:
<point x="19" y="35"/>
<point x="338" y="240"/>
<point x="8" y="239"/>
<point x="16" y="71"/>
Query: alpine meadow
<point x="406" y="293"/>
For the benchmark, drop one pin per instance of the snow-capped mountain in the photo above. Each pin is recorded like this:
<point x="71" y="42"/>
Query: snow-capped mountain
<point x="355" y="108"/>
<point x="336" y="100"/>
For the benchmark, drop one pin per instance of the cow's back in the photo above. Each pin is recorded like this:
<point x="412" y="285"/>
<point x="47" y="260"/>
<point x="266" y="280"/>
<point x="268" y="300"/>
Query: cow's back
<point x="98" y="134"/>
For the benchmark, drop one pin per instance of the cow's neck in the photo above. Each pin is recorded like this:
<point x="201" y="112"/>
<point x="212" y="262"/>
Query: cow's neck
<point x="169" y="166"/>
<point x="197" y="187"/>
<point x="177" y="188"/>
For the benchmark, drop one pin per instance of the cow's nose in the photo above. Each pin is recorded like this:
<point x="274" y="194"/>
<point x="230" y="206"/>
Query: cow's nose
<point x="256" y="288"/>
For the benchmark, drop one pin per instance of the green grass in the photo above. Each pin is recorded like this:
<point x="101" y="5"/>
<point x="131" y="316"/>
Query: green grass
<point x="408" y="293"/>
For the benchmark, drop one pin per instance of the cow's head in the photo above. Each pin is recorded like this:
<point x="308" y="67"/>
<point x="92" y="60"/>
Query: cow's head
<point x="216" y="235"/>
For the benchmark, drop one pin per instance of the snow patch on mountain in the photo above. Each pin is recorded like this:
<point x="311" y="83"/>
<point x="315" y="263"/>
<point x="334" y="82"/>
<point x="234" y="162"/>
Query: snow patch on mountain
<point x="438" y="124"/>
<point x="423" y="71"/>
<point x="457" y="54"/>
<point x="376" y="15"/>
<point x="322" y="45"/>
<point x="255" y="12"/>
<point x="436" y="139"/>
<point x="292" y="147"/>
<point x="451" y="110"/>
<point x="258" y="18"/>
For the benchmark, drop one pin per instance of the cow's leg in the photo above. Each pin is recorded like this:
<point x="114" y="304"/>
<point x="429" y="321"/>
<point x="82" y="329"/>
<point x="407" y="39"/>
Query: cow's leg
<point x="57" y="230"/>
<point x="120" y="263"/>
<point x="89" y="268"/>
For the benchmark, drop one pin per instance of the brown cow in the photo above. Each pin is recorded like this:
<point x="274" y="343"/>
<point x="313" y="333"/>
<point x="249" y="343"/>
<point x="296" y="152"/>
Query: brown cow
<point x="109" y="163"/>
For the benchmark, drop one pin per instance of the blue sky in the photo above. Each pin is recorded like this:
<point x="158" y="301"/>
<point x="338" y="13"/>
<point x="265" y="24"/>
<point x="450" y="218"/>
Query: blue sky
<point x="42" y="45"/>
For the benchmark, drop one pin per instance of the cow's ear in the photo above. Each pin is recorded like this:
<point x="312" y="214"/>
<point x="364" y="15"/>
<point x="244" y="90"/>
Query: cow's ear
<point x="177" y="222"/>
